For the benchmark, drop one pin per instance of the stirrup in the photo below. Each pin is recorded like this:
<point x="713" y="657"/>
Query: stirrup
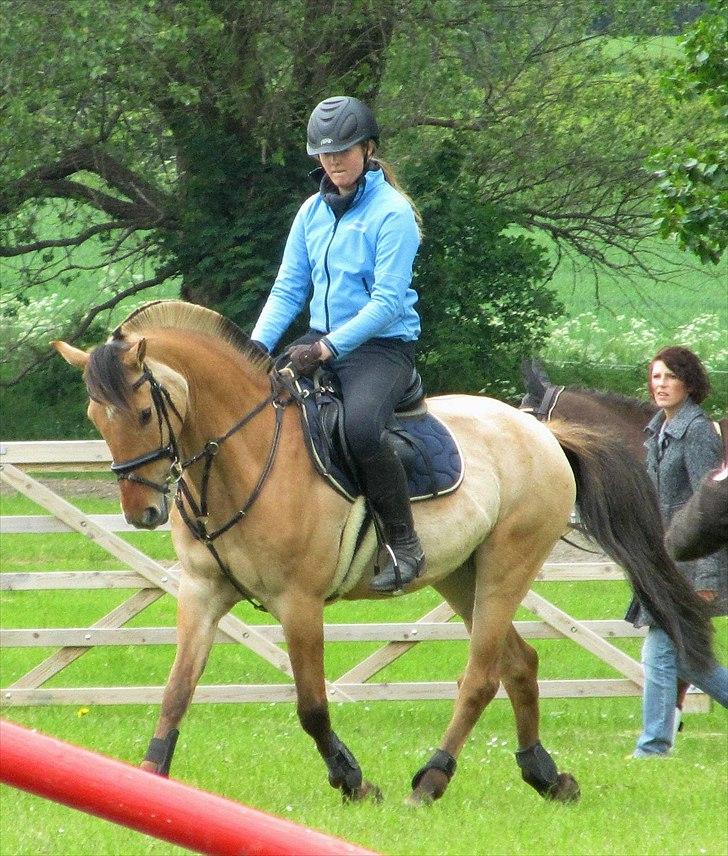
<point x="390" y="579"/>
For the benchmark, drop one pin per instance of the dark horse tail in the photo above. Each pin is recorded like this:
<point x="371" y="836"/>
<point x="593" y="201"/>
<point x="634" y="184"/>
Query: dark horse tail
<point x="618" y="507"/>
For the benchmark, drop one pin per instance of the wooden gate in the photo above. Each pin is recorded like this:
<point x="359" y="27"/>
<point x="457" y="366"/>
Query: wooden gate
<point x="152" y="579"/>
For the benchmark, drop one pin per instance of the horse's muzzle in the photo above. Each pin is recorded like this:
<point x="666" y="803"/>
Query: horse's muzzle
<point x="150" y="517"/>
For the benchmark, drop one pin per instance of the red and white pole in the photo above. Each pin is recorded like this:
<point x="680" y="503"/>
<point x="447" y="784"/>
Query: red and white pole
<point x="170" y="810"/>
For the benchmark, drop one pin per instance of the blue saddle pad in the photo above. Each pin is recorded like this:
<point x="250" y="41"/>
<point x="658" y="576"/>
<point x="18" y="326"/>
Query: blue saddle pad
<point x="429" y="452"/>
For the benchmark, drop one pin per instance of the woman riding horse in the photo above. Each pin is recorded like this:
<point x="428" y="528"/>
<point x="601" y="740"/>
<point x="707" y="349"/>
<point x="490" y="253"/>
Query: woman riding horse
<point x="352" y="245"/>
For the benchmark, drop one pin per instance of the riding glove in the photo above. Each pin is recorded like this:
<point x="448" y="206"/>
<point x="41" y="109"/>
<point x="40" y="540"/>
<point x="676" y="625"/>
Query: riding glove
<point x="305" y="358"/>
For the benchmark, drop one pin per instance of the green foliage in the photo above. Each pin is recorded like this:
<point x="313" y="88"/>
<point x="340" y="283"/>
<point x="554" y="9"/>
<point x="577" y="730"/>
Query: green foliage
<point x="50" y="402"/>
<point x="231" y="236"/>
<point x="584" y="351"/>
<point x="482" y="299"/>
<point x="181" y="127"/>
<point x="692" y="178"/>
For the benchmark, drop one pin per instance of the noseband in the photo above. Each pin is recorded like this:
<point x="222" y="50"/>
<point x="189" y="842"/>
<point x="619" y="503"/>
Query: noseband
<point x="162" y="401"/>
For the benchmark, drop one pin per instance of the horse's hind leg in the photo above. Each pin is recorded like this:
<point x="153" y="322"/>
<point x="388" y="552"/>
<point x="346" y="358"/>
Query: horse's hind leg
<point x="478" y="686"/>
<point x="504" y="568"/>
<point x="519" y="670"/>
<point x="201" y="605"/>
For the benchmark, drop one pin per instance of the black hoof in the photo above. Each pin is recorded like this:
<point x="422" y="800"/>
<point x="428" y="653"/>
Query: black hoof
<point x="430" y="787"/>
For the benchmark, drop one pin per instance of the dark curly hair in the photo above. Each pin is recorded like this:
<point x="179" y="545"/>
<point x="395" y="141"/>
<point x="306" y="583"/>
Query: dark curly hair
<point x="687" y="367"/>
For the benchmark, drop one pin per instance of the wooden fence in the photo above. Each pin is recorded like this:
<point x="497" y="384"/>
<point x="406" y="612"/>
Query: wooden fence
<point x="151" y="579"/>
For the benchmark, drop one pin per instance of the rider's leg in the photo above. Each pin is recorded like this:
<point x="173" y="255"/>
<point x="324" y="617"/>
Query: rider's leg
<point x="373" y="379"/>
<point x="386" y="487"/>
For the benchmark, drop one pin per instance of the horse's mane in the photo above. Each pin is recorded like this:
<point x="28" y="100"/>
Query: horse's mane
<point x="105" y="377"/>
<point x="616" y="400"/>
<point x="178" y="315"/>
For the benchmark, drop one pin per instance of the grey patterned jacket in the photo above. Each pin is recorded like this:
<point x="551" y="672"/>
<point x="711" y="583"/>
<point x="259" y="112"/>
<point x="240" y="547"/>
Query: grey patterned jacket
<point x="691" y="448"/>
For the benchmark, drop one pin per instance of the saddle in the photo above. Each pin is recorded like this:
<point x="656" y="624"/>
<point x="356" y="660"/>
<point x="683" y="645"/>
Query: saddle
<point x="429" y="453"/>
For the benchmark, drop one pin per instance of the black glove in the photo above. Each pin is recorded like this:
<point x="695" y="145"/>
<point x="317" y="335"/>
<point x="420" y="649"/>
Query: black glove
<point x="305" y="358"/>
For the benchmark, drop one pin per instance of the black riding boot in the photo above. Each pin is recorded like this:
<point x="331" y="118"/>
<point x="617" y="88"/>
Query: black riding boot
<point x="386" y="488"/>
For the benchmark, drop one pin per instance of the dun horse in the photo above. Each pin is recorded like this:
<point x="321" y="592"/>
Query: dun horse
<point x="167" y="393"/>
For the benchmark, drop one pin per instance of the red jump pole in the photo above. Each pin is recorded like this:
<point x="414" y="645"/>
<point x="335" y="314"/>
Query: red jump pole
<point x="113" y="790"/>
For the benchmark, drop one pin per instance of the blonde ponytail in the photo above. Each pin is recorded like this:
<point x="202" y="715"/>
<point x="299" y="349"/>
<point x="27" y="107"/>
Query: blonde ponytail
<point x="391" y="178"/>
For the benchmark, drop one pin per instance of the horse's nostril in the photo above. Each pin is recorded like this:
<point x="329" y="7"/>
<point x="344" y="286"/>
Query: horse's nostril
<point x="151" y="516"/>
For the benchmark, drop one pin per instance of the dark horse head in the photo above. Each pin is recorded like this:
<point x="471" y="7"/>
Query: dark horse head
<point x="623" y="417"/>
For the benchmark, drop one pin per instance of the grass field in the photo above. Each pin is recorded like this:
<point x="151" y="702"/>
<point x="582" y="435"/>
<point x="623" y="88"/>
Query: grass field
<point x="258" y="754"/>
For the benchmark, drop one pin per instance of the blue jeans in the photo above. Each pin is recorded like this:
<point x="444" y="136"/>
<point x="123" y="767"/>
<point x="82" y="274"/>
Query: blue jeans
<point x="662" y="670"/>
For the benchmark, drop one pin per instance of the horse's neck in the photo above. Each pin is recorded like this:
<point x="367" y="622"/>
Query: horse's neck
<point x="621" y="418"/>
<point x="222" y="388"/>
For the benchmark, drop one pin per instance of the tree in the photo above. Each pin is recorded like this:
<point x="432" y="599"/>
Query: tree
<point x="162" y="141"/>
<point x="693" y="177"/>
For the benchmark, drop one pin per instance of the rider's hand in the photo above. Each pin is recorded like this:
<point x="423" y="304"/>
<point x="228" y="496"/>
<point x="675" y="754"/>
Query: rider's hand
<point x="707" y="594"/>
<point x="305" y="358"/>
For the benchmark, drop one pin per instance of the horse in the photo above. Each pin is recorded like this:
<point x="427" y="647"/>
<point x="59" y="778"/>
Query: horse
<point x="166" y="393"/>
<point x="701" y="526"/>
<point x="621" y="415"/>
<point x="692" y="533"/>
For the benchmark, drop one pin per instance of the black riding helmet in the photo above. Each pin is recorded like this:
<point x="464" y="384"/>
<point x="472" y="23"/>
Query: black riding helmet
<point x="338" y="123"/>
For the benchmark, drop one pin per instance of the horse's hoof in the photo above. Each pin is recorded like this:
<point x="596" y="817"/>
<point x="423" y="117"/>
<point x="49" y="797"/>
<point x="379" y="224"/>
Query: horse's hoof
<point x="565" y="789"/>
<point x="430" y="787"/>
<point x="365" y="791"/>
<point x="419" y="798"/>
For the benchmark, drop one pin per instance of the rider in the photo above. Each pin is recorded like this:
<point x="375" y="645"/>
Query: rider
<point x="352" y="246"/>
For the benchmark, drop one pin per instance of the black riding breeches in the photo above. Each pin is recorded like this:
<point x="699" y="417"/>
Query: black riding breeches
<point x="373" y="378"/>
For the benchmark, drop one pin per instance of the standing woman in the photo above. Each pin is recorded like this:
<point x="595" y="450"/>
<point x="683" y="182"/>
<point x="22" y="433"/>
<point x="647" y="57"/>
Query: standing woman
<point x="682" y="448"/>
<point x="351" y="248"/>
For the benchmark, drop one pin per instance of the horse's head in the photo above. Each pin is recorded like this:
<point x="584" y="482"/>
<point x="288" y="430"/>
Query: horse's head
<point x="138" y="406"/>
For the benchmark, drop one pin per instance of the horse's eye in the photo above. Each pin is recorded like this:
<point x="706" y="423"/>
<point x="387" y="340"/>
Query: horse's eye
<point x="145" y="416"/>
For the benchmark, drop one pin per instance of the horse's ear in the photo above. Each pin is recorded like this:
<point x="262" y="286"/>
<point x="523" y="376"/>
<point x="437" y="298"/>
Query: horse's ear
<point x="134" y="357"/>
<point x="535" y="379"/>
<point x="73" y="356"/>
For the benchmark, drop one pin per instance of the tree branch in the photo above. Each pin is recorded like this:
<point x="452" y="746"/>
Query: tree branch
<point x="83" y="324"/>
<point x="75" y="241"/>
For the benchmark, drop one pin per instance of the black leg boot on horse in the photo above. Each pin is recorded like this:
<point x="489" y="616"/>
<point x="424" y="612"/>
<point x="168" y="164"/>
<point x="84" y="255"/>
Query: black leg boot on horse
<point x="386" y="488"/>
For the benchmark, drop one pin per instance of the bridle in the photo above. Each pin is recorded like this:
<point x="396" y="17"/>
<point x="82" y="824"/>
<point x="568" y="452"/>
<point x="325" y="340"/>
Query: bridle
<point x="163" y="403"/>
<point x="196" y="514"/>
<point x="546" y="405"/>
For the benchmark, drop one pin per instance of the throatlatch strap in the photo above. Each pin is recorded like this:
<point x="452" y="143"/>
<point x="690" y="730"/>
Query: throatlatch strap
<point x="442" y="761"/>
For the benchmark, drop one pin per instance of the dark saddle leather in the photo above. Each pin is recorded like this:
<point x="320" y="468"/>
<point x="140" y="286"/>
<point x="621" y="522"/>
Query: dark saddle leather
<point x="428" y="451"/>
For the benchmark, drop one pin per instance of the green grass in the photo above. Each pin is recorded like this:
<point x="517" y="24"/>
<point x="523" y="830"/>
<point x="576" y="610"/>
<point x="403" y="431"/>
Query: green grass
<point x="693" y="290"/>
<point x="257" y="754"/>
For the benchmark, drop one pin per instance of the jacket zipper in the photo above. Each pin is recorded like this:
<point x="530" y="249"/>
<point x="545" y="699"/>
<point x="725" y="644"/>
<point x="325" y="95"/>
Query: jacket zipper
<point x="328" y="276"/>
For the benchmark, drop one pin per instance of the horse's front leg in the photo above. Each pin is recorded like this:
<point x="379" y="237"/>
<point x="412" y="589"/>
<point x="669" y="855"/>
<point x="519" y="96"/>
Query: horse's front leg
<point x="201" y="605"/>
<point x="302" y="620"/>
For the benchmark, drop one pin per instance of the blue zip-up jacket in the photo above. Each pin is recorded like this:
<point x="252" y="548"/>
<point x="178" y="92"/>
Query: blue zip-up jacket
<point x="359" y="268"/>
